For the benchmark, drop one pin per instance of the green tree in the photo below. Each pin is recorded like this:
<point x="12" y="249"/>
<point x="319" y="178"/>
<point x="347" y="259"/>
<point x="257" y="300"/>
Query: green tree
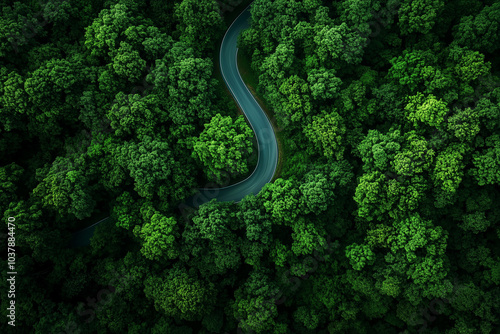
<point x="254" y="303"/>
<point x="9" y="179"/>
<point x="377" y="150"/>
<point x="156" y="44"/>
<point x="13" y="99"/>
<point x="224" y="146"/>
<point x="257" y="223"/>
<point x="426" y="109"/>
<point x="199" y="22"/>
<point x="359" y="256"/>
<point x="470" y="64"/>
<point x="419" y="16"/>
<point x="415" y="69"/>
<point x="487" y="162"/>
<point x="158" y="235"/>
<point x="464" y="124"/>
<point x="210" y="243"/>
<point x="65" y="190"/>
<point x="317" y="189"/>
<point x="413" y="252"/>
<point x="132" y="114"/>
<point x="475" y="222"/>
<point x="480" y="32"/>
<point x="449" y="169"/>
<point x="155" y="170"/>
<point x="326" y="132"/>
<point x="338" y="42"/>
<point x="307" y="238"/>
<point x="185" y="85"/>
<point x="128" y="63"/>
<point x="323" y="83"/>
<point x="53" y="88"/>
<point x="293" y="101"/>
<point x="180" y="294"/>
<point x="102" y="36"/>
<point x="282" y="200"/>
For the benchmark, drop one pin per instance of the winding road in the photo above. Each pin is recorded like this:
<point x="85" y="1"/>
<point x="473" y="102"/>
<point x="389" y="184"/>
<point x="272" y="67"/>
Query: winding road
<point x="266" y="138"/>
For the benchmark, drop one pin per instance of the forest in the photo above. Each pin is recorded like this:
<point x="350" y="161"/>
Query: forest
<point x="384" y="213"/>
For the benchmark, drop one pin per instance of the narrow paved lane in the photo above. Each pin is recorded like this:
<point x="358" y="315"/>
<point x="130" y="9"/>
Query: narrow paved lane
<point x="266" y="139"/>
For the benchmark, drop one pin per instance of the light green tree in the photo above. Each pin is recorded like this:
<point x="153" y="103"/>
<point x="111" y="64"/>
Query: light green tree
<point x="224" y="146"/>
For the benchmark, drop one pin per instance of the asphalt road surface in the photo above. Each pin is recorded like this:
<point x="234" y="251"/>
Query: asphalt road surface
<point x="266" y="139"/>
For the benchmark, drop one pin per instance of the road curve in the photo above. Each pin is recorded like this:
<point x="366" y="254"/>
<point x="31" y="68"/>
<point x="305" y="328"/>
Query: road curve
<point x="266" y="138"/>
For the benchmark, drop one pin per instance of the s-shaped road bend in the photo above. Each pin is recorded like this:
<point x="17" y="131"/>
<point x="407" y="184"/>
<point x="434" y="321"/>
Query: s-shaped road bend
<point x="260" y="123"/>
<point x="266" y="138"/>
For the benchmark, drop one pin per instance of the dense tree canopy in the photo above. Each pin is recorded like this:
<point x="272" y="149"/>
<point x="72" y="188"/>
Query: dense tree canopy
<point x="224" y="146"/>
<point x="383" y="216"/>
